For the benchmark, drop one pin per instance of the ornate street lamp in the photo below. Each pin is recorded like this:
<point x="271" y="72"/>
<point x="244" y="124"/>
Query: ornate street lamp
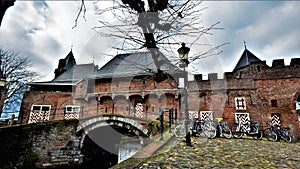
<point x="2" y="83"/>
<point x="183" y="52"/>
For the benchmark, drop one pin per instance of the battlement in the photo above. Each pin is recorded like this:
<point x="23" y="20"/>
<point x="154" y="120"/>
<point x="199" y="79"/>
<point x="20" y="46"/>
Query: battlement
<point x="295" y="62"/>
<point x="258" y="69"/>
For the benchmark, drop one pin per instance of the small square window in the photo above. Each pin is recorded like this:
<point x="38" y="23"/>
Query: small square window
<point x="69" y="108"/>
<point x="36" y="108"/>
<point x="240" y="103"/>
<point x="273" y="103"/>
<point x="45" y="108"/>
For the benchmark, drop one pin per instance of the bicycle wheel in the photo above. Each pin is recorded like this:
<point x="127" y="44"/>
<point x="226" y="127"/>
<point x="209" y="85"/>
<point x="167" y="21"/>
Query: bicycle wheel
<point x="225" y="131"/>
<point x="287" y="138"/>
<point x="236" y="133"/>
<point x="209" y="130"/>
<point x="179" y="131"/>
<point x="258" y="136"/>
<point x="270" y="135"/>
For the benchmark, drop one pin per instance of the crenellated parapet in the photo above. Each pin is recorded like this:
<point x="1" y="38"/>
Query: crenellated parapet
<point x="258" y="70"/>
<point x="243" y="78"/>
<point x="295" y="62"/>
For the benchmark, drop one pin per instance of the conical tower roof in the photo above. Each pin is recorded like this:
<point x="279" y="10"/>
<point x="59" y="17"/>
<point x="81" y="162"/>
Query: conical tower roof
<point x="246" y="58"/>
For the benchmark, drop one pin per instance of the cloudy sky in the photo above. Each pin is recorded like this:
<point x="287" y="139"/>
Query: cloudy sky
<point x="43" y="31"/>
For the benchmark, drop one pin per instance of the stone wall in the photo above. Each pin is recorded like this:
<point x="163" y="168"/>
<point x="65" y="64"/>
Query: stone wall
<point x="52" y="142"/>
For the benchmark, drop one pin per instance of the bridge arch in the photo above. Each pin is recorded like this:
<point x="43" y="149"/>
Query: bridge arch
<point x="91" y="124"/>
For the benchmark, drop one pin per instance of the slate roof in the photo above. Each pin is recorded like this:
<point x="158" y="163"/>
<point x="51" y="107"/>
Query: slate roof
<point x="245" y="60"/>
<point x="126" y="65"/>
<point x="122" y="65"/>
<point x="71" y="76"/>
<point x="76" y="73"/>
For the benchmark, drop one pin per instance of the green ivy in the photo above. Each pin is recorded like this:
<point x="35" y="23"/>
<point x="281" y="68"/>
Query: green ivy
<point x="202" y="93"/>
<point x="154" y="127"/>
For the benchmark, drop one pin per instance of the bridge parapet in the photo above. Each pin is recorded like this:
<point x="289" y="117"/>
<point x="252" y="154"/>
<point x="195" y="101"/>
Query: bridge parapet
<point x="108" y="120"/>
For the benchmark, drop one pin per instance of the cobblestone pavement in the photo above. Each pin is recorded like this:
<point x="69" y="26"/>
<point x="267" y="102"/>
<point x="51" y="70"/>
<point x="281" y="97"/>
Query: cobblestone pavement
<point x="226" y="153"/>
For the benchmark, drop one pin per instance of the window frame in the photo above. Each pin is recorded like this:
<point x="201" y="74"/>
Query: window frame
<point x="39" y="115"/>
<point x="72" y="109"/>
<point x="41" y="107"/>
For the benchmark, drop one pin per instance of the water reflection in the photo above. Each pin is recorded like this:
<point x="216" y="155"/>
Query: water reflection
<point x="128" y="147"/>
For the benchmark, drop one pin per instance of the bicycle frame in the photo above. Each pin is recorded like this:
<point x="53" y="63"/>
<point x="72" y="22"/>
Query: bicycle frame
<point x="206" y="127"/>
<point x="254" y="130"/>
<point x="283" y="133"/>
<point x="224" y="130"/>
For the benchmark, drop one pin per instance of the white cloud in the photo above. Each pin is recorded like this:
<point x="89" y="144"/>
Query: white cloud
<point x="43" y="31"/>
<point x="269" y="27"/>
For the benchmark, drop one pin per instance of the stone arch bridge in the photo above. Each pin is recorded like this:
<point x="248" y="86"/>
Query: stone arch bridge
<point x="58" y="142"/>
<point x="133" y="125"/>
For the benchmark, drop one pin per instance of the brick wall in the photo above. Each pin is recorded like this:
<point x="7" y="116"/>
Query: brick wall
<point x="57" y="100"/>
<point x="260" y="85"/>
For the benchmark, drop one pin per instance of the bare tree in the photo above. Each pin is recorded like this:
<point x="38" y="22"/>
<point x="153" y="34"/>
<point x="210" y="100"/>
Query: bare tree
<point x="15" y="71"/>
<point x="156" y="25"/>
<point x="4" y="5"/>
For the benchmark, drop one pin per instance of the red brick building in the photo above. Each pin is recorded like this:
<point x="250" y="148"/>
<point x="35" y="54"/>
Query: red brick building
<point x="127" y="85"/>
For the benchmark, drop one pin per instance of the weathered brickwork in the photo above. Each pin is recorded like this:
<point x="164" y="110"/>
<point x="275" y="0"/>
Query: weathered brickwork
<point x="121" y="95"/>
<point x="57" y="101"/>
<point x="265" y="89"/>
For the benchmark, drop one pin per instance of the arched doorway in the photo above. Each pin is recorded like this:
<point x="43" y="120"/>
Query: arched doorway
<point x="106" y="105"/>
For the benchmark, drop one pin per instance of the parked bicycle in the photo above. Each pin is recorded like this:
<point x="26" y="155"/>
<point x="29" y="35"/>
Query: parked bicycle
<point x="251" y="129"/>
<point x="207" y="127"/>
<point x="270" y="133"/>
<point x="283" y="133"/>
<point x="223" y="129"/>
<point x="180" y="130"/>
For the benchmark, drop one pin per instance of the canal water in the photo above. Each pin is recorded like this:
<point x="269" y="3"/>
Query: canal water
<point x="128" y="147"/>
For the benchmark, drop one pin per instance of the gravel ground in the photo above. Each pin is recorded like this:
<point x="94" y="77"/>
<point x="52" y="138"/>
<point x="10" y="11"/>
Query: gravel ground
<point x="226" y="153"/>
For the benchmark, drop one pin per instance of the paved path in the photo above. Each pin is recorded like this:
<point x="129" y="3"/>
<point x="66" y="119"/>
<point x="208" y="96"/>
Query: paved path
<point x="225" y="153"/>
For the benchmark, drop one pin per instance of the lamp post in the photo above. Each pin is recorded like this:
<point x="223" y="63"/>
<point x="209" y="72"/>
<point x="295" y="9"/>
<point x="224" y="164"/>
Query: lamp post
<point x="183" y="52"/>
